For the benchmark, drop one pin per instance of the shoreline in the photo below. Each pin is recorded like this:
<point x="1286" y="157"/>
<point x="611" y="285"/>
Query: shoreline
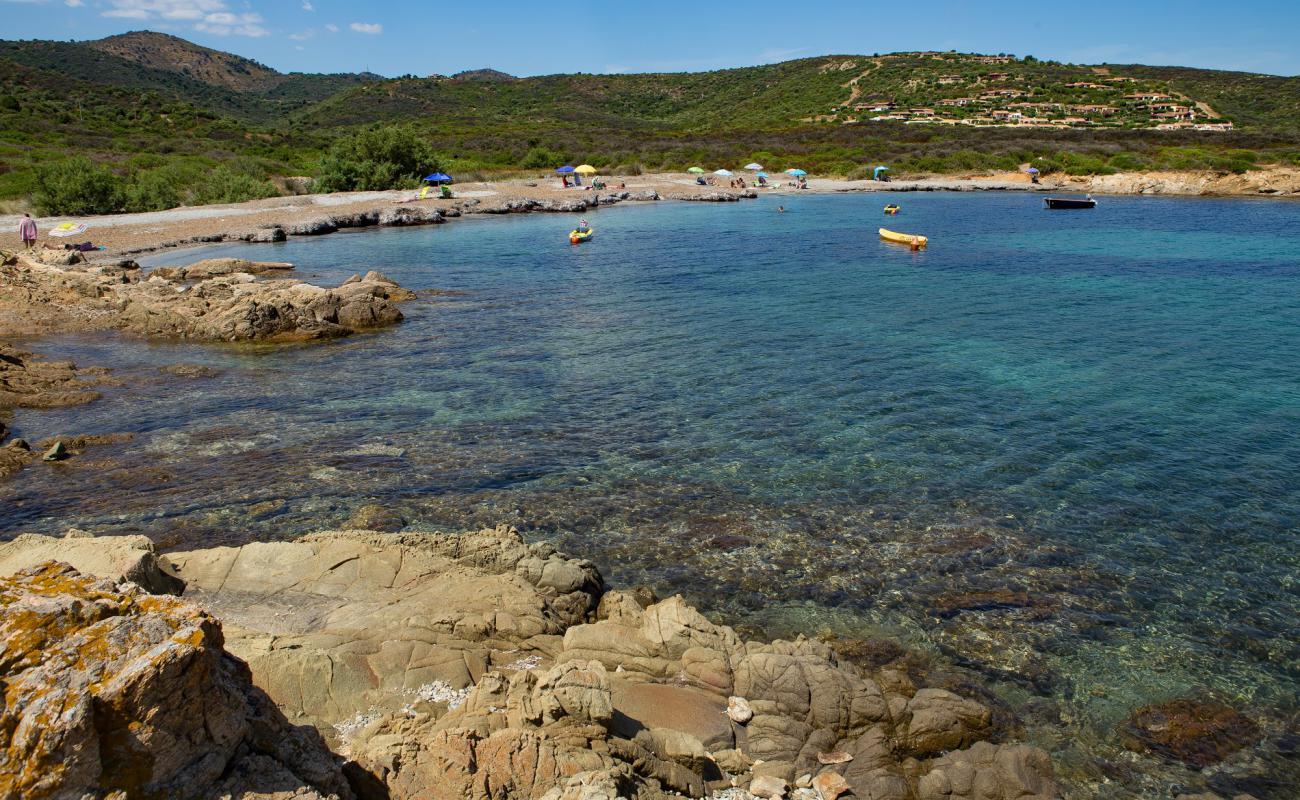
<point x="125" y="235"/>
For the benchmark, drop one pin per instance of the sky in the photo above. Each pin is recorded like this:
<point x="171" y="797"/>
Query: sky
<point x="424" y="37"/>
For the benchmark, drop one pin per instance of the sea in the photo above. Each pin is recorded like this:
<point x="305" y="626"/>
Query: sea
<point x="1053" y="459"/>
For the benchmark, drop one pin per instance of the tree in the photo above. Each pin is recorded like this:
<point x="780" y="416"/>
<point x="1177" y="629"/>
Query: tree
<point x="392" y="157"/>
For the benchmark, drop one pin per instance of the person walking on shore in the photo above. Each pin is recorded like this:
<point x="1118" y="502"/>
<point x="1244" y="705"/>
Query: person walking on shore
<point x="27" y="230"/>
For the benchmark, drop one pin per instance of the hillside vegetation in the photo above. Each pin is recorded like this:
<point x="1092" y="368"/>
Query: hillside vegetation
<point x="162" y="116"/>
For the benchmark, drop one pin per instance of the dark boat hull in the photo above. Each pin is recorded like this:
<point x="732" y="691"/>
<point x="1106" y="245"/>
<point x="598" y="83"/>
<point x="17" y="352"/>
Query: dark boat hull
<point x="1070" y="202"/>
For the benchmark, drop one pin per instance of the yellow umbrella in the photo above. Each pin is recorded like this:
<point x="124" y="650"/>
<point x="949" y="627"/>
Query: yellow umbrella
<point x="585" y="169"/>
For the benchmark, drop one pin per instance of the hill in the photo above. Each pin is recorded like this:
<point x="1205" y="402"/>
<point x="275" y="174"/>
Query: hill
<point x="483" y="75"/>
<point x="160" y="51"/>
<point x="146" y="103"/>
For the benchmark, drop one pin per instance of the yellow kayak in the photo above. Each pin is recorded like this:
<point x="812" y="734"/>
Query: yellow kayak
<point x="576" y="237"/>
<point x="912" y="240"/>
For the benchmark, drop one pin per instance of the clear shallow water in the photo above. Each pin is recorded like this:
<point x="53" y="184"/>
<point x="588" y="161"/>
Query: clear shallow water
<point x="1060" y="449"/>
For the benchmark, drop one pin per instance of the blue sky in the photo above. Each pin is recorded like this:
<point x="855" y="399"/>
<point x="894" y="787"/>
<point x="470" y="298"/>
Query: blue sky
<point x="533" y="38"/>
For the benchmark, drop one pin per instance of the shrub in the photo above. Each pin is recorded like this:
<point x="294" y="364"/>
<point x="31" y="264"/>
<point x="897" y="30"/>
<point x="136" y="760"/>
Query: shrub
<point x="539" y="157"/>
<point x="224" y="185"/>
<point x="391" y="157"/>
<point x="151" y="191"/>
<point x="75" y="186"/>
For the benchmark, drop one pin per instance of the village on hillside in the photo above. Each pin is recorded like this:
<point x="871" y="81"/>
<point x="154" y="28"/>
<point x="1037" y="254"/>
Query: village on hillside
<point x="975" y="90"/>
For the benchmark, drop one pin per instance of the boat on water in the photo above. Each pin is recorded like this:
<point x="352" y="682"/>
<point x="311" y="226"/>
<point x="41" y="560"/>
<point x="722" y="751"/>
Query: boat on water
<point x="578" y="237"/>
<point x="912" y="240"/>
<point x="1070" y="202"/>
<point x="892" y="209"/>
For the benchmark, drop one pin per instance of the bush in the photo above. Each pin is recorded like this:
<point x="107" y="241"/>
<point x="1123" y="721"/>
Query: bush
<point x="75" y="186"/>
<point x="152" y="191"/>
<point x="393" y="157"/>
<point x="225" y="185"/>
<point x="539" y="157"/>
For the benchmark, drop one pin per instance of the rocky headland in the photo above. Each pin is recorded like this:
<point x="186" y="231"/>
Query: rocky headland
<point x="356" y="663"/>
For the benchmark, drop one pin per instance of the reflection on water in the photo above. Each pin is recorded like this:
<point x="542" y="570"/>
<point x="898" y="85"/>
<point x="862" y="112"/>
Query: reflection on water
<point x="1058" y="451"/>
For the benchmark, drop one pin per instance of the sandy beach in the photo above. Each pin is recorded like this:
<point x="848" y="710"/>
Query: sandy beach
<point x="128" y="234"/>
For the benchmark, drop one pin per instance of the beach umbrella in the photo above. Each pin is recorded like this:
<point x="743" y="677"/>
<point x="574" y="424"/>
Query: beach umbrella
<point x="68" y="229"/>
<point x="726" y="173"/>
<point x="798" y="173"/>
<point x="1032" y="170"/>
<point x="696" y="170"/>
<point x="879" y="170"/>
<point x="760" y="174"/>
<point x="585" y="169"/>
<point x="438" y="177"/>
<point x="754" y="166"/>
<point x="564" y="170"/>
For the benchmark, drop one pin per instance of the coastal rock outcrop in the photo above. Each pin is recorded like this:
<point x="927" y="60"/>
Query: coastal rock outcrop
<point x="110" y="691"/>
<point x="116" y="558"/>
<point x="481" y="666"/>
<point x="344" y="625"/>
<point x="216" y="267"/>
<point x="224" y="303"/>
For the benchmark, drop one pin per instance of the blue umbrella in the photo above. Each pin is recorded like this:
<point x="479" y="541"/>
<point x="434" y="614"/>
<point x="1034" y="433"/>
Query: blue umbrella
<point x="438" y="177"/>
<point x="564" y="170"/>
<point x="760" y="174"/>
<point x="798" y="173"/>
<point x="880" y="170"/>
<point x="1032" y="170"/>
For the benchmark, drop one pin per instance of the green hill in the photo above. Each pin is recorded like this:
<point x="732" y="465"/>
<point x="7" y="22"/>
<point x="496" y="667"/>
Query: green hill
<point x="143" y="102"/>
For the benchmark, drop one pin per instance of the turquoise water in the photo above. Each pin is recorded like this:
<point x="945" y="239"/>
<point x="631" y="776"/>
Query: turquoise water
<point x="802" y="428"/>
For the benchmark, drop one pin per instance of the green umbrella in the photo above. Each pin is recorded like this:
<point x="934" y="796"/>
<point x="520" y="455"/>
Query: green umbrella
<point x="696" y="170"/>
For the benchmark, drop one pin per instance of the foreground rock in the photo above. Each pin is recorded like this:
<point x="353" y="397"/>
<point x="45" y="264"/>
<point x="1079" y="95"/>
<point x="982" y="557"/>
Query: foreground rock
<point x="480" y="666"/>
<point x="115" y="558"/>
<point x="223" y="303"/>
<point x="111" y="690"/>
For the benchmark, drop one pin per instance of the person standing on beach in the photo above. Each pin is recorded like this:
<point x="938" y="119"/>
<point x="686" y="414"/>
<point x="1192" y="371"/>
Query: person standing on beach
<point x="27" y="230"/>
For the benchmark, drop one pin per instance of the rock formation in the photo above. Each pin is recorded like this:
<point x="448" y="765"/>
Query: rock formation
<point x="480" y="666"/>
<point x="113" y="692"/>
<point x="213" y="300"/>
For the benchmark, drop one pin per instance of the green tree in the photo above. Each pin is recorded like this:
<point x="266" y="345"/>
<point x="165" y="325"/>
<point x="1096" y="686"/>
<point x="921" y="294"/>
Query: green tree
<point x="75" y="186"/>
<point x="392" y="157"/>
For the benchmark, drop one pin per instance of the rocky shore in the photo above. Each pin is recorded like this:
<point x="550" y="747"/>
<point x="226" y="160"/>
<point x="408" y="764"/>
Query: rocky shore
<point x="358" y="664"/>
<point x="215" y="300"/>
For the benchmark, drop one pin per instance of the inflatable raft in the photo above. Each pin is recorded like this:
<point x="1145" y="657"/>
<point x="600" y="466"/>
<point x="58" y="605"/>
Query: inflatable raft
<point x="891" y="209"/>
<point x="576" y="237"/>
<point x="912" y="240"/>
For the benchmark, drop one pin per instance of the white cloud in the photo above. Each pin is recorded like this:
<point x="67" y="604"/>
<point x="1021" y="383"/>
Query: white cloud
<point x="332" y="28"/>
<point x="307" y="6"/>
<point x="224" y="23"/>
<point x="208" y="16"/>
<point x="302" y="36"/>
<point x="373" y="28"/>
<point x="75" y="3"/>
<point x="187" y="10"/>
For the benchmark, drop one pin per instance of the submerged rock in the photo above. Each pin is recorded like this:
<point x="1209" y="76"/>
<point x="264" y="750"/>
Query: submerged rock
<point x="1197" y="732"/>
